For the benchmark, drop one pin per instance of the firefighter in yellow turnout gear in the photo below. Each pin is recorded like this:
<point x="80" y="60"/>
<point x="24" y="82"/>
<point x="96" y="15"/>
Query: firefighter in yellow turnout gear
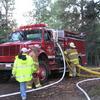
<point x="35" y="80"/>
<point x="71" y="56"/>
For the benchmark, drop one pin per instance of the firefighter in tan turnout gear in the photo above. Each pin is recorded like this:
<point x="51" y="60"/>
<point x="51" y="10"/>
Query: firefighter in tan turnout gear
<point x="33" y="54"/>
<point x="71" y="56"/>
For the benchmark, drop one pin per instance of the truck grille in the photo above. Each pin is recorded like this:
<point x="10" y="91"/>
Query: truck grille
<point x="9" y="50"/>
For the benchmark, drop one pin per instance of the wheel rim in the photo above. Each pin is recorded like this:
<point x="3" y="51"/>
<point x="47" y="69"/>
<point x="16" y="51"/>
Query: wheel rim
<point x="42" y="73"/>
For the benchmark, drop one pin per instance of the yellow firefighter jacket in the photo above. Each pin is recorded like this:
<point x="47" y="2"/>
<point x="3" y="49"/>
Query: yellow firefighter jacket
<point x="72" y="56"/>
<point x="23" y="69"/>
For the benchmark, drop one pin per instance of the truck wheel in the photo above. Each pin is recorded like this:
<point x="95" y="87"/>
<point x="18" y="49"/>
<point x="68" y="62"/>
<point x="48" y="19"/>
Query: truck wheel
<point x="5" y="76"/>
<point x="43" y="72"/>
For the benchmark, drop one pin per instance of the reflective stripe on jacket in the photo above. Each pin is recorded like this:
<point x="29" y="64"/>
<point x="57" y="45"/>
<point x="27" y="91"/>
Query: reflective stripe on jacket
<point x="72" y="55"/>
<point x="23" y="69"/>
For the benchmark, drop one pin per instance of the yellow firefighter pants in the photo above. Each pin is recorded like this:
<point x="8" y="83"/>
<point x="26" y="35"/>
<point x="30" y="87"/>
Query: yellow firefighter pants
<point x="73" y="70"/>
<point x="36" y="82"/>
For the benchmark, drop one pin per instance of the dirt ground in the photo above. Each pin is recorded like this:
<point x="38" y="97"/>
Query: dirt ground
<point x="65" y="90"/>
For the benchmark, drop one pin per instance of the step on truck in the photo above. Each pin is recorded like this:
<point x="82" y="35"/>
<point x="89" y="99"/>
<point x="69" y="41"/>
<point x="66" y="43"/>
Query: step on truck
<point x="49" y="55"/>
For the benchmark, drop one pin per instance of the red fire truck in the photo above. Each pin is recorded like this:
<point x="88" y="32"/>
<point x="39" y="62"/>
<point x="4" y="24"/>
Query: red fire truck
<point x="49" y="55"/>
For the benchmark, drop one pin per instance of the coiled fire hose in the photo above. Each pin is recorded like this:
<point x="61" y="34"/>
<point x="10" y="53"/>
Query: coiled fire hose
<point x="46" y="86"/>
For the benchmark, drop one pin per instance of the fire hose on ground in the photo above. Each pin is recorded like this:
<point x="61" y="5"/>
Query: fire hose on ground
<point x="92" y="71"/>
<point x="82" y="90"/>
<point x="89" y="70"/>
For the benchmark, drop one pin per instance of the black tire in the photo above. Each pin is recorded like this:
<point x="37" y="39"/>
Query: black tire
<point x="5" y="76"/>
<point x="44" y="73"/>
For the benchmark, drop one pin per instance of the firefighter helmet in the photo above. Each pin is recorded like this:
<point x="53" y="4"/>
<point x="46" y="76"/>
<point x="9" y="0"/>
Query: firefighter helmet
<point x="71" y="44"/>
<point x="25" y="50"/>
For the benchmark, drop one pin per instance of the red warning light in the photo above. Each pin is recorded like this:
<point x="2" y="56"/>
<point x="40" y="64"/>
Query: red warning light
<point x="34" y="25"/>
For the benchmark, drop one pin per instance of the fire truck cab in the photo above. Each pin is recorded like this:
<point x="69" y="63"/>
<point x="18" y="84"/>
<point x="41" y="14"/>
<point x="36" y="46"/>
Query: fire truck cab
<point x="49" y="55"/>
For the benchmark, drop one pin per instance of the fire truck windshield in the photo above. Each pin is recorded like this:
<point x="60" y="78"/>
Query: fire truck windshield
<point x="26" y="35"/>
<point x="15" y="36"/>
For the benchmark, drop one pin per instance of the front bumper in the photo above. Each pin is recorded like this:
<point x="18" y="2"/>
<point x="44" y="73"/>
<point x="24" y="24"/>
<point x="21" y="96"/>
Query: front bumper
<point x="6" y="66"/>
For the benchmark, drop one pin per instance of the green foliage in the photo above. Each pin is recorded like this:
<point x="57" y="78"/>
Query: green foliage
<point x="41" y="11"/>
<point x="62" y="14"/>
<point x="92" y="28"/>
<point x="6" y="17"/>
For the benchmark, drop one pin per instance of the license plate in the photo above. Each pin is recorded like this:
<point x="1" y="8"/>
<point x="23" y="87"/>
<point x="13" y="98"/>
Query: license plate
<point x="8" y="65"/>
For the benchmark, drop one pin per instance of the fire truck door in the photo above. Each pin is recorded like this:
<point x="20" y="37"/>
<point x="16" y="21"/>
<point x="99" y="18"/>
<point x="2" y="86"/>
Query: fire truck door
<point x="49" y="43"/>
